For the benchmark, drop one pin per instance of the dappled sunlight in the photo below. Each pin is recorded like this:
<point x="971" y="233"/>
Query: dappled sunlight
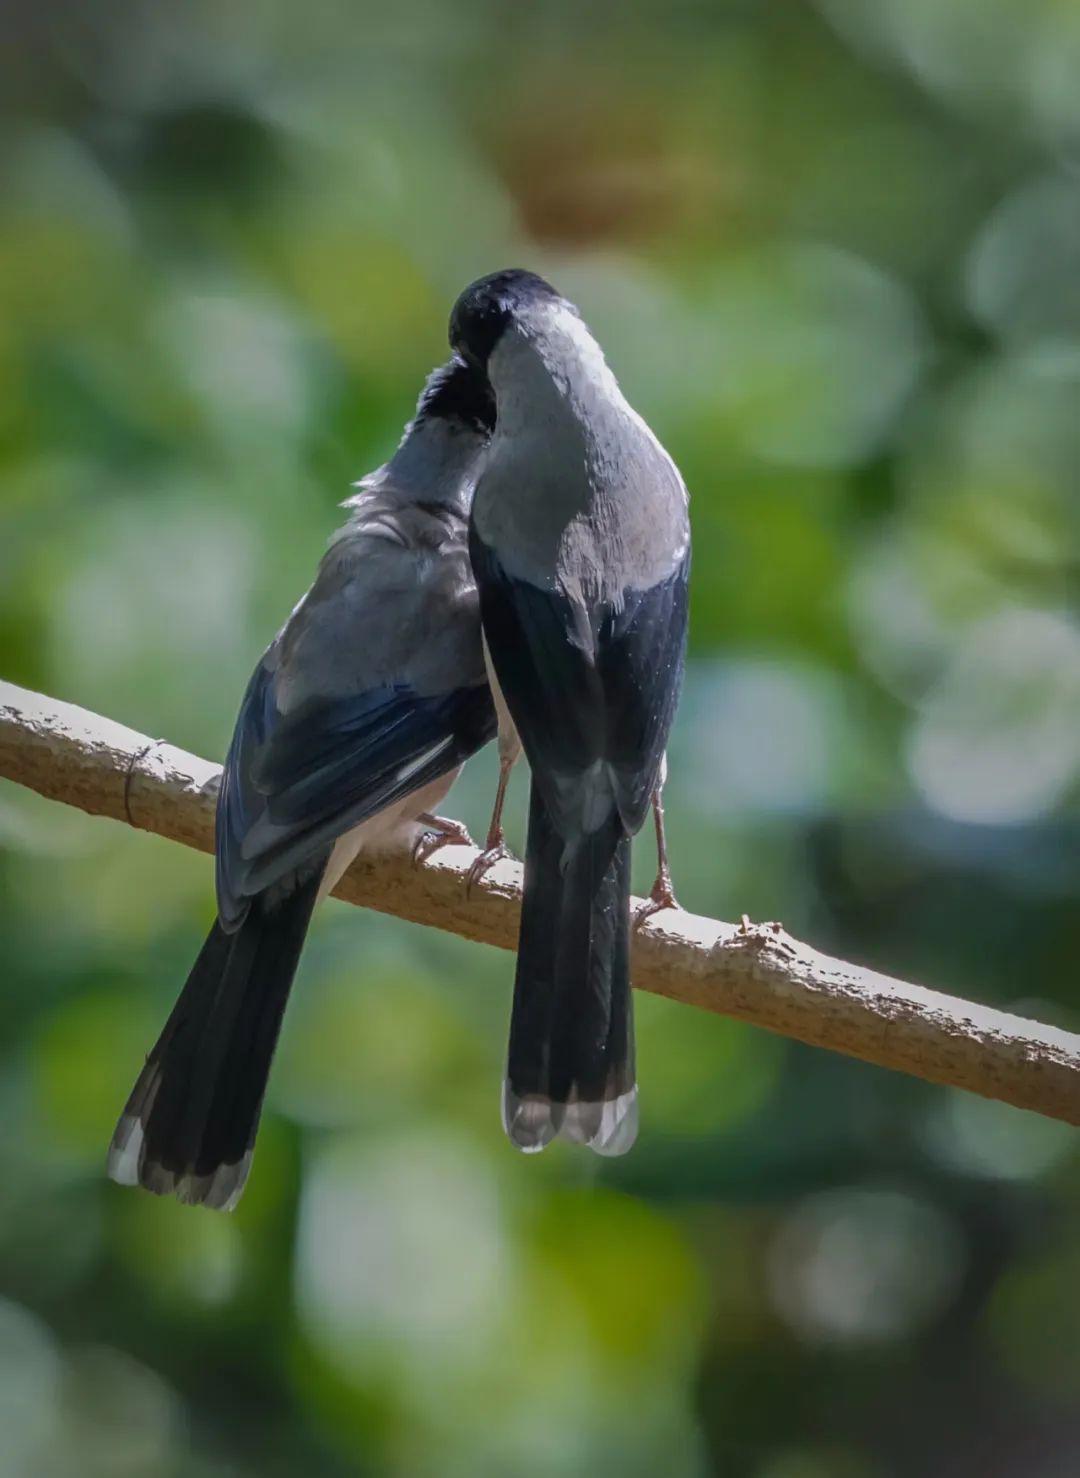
<point x="863" y="1266"/>
<point x="832" y="252"/>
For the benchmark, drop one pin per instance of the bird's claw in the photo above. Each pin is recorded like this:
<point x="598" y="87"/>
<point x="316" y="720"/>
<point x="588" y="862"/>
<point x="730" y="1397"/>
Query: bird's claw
<point x="440" y="831"/>
<point x="496" y="850"/>
<point x="661" y="897"/>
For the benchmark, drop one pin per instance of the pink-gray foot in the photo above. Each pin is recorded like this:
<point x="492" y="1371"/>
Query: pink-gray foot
<point x="495" y="850"/>
<point x="439" y="831"/>
<point x="661" y="897"/>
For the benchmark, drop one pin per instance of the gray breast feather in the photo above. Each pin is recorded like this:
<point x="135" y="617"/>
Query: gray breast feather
<point x="590" y="506"/>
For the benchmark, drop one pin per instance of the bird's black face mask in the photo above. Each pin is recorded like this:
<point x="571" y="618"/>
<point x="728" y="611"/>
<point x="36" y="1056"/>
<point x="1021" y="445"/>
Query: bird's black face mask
<point x="460" y="391"/>
<point x="485" y="308"/>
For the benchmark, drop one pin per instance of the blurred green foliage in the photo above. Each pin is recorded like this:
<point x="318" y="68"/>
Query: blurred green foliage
<point x="833" y="252"/>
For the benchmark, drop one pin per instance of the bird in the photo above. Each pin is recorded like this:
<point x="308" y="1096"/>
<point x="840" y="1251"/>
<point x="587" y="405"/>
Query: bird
<point x="355" y="724"/>
<point x="579" y="537"/>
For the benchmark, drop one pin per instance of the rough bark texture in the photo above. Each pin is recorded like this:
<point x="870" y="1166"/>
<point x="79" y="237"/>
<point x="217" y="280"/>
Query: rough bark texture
<point x="760" y="975"/>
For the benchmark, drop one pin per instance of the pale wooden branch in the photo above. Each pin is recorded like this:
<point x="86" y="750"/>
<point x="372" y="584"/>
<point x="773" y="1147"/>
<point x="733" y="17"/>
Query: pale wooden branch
<point x="760" y="975"/>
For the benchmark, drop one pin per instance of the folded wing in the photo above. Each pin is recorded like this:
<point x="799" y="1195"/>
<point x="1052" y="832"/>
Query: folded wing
<point x="314" y="755"/>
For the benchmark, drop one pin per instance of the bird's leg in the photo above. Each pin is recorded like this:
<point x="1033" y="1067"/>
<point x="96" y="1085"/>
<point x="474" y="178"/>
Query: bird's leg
<point x="439" y="831"/>
<point x="663" y="894"/>
<point x="495" y="848"/>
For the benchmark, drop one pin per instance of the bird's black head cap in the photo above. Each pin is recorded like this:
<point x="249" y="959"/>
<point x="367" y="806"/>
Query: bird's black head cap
<point x="458" y="391"/>
<point x="486" y="307"/>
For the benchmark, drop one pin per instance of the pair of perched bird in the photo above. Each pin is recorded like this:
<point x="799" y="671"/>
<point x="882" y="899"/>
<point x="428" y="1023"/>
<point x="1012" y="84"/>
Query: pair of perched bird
<point x="519" y="566"/>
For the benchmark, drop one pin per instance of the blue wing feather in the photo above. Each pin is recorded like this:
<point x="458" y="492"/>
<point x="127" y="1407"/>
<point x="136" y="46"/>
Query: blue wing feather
<point x="294" y="783"/>
<point x="593" y="693"/>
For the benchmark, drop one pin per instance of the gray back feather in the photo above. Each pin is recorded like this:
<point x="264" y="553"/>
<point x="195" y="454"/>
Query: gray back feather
<point x="575" y="487"/>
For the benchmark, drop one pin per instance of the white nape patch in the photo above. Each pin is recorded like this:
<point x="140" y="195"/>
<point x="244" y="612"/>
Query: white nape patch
<point x="125" y="1152"/>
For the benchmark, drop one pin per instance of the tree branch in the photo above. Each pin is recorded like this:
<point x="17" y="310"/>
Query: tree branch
<point x="762" y="975"/>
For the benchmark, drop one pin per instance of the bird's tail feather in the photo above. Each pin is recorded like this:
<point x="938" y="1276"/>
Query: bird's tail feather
<point x="189" y="1126"/>
<point x="571" y="1061"/>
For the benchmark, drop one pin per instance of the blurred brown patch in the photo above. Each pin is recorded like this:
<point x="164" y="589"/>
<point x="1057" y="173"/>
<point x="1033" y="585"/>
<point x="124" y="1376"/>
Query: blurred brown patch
<point x="593" y="164"/>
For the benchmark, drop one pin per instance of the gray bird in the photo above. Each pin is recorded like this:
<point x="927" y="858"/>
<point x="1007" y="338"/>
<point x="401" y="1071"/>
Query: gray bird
<point x="354" y="726"/>
<point x="580" y="543"/>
